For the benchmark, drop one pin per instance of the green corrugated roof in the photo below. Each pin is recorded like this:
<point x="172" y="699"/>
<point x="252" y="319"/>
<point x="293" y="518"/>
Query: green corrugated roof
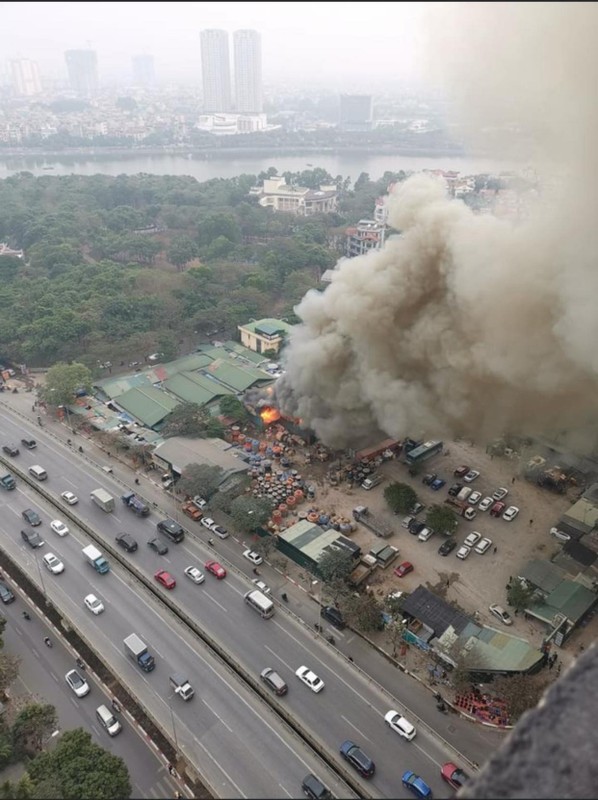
<point x="236" y="376"/>
<point x="571" y="599"/>
<point x="498" y="651"/>
<point x="114" y="387"/>
<point x="149" y="405"/>
<point x="543" y="574"/>
<point x="192" y="387"/>
<point x="193" y="361"/>
<point x="268" y="326"/>
<point x="245" y="352"/>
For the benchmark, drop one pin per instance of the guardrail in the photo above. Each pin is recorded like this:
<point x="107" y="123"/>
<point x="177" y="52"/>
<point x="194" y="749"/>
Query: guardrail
<point x="228" y="661"/>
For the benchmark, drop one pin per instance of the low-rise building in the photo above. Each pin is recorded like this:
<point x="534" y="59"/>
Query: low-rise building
<point x="365" y="236"/>
<point x="276" y="194"/>
<point x="264" y="334"/>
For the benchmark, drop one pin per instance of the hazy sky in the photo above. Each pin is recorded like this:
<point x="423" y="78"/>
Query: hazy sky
<point x="340" y="44"/>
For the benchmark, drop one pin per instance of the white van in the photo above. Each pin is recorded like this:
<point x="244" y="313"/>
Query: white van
<point x="262" y="604"/>
<point x="38" y="472"/>
<point x="108" y="721"/>
<point x="370" y="483"/>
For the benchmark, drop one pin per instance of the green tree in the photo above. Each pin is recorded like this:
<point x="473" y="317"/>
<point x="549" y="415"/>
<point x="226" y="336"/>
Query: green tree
<point x="82" y="768"/>
<point x="250" y="513"/>
<point x="9" y="670"/>
<point x="231" y="406"/>
<point x="335" y="565"/>
<point x="32" y="728"/>
<point x="400" y="497"/>
<point x="63" y="380"/>
<point x="200" y="479"/>
<point x="21" y="790"/>
<point x="519" y="595"/>
<point x="187" y="419"/>
<point x="182" y="251"/>
<point x="442" y="519"/>
<point x="363" y="612"/>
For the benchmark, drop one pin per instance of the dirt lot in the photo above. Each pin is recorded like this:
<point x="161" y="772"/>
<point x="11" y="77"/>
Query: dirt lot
<point x="480" y="580"/>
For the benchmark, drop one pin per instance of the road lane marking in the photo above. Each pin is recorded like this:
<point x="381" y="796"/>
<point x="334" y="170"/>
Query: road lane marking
<point x="355" y="728"/>
<point x="276" y="655"/>
<point x="230" y="730"/>
<point x="284" y="789"/>
<point x="216" y="602"/>
<point x="224" y="772"/>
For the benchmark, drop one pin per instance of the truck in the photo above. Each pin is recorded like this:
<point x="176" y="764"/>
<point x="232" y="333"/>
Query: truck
<point x="138" y="651"/>
<point x="131" y="500"/>
<point x="96" y="559"/>
<point x="379" y="527"/>
<point x="191" y="510"/>
<point x="371" y="482"/>
<point x="461" y="508"/>
<point x="102" y="499"/>
<point x="181" y="686"/>
<point x="6" y="480"/>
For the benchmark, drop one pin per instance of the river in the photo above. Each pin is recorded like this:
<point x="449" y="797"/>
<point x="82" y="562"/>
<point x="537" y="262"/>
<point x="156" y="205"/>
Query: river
<point x="204" y="168"/>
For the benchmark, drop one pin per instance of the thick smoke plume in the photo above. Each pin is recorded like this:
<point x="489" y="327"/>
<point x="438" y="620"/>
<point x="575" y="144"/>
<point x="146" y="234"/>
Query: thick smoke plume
<point x="466" y="324"/>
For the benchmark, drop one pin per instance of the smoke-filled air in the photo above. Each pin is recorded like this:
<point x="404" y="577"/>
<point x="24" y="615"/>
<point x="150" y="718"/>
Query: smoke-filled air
<point x="466" y="324"/>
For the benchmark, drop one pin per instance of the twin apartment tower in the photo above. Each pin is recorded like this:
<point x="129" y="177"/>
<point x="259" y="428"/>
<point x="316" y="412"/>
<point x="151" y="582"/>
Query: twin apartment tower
<point x="216" y="73"/>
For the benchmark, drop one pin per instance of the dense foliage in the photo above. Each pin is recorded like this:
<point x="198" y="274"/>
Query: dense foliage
<point x="117" y="268"/>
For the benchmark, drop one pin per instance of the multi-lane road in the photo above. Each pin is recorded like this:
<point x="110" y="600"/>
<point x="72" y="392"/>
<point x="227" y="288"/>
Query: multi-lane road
<point x="232" y="737"/>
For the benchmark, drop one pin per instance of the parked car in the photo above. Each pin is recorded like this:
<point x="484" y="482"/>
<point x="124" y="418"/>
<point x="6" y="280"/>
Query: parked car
<point x="470" y="476"/>
<point x="455" y="489"/>
<point x="416" y="785"/>
<point x="510" y="513"/>
<point x="472" y="538"/>
<point x="484" y="544"/>
<point x="309" y="678"/>
<point x="79" y="686"/>
<point x="429" y="479"/>
<point x="216" y="569"/>
<point x="5" y="594"/>
<point x="406" y="521"/>
<point x="194" y="574"/>
<point x="400" y="725"/>
<point x="200" y="502"/>
<point x="252" y="556"/>
<point x="437" y="484"/>
<point x="415" y="527"/>
<point x="453" y="775"/>
<point x="158" y="546"/>
<point x="165" y="578"/>
<point x="31" y="516"/>
<point x="221" y="532"/>
<point x="417" y="509"/>
<point x="461" y="471"/>
<point x="358" y="759"/>
<point x="485" y="504"/>
<point x="501" y="614"/>
<point x="70" y="498"/>
<point x="32" y="538"/>
<point x="126" y="541"/>
<point x="333" y="615"/>
<point x="560" y="535"/>
<point x="473" y="498"/>
<point x="447" y="546"/>
<point x="403" y="569"/>
<point x="425" y="534"/>
<point x="499" y="494"/>
<point x="261" y="586"/>
<point x="207" y="522"/>
<point x="463" y="551"/>
<point x="498" y="509"/>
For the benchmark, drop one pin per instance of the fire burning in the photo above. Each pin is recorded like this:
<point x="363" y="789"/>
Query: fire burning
<point x="269" y="415"/>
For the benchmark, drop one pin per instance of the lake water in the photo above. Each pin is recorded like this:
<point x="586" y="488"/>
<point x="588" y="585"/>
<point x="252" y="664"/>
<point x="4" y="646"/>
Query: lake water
<point x="204" y="167"/>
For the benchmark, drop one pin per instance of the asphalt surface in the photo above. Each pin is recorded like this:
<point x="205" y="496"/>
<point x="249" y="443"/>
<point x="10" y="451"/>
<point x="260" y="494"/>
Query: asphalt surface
<point x="253" y="761"/>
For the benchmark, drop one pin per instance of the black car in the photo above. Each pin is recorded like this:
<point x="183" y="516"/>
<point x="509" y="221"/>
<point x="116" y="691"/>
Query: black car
<point x="429" y="478"/>
<point x="126" y="541"/>
<point x="455" y="489"/>
<point x="158" y="547"/>
<point x="333" y="615"/>
<point x="447" y="547"/>
<point x="358" y="759"/>
<point x="32" y="538"/>
<point x="172" y="529"/>
<point x="10" y="449"/>
<point x="5" y="594"/>
<point x="30" y="444"/>
<point x="274" y="681"/>
<point x="415" y="527"/>
<point x="314" y="788"/>
<point x="31" y="516"/>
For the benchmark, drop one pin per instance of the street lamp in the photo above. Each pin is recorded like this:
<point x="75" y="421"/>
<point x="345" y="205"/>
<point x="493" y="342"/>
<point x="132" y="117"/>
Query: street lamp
<point x="319" y="585"/>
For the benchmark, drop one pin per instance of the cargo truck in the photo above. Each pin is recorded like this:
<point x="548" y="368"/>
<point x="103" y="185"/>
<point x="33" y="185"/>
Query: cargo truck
<point x="6" y="480"/>
<point x="96" y="559"/>
<point x="461" y="508"/>
<point x="181" y="686"/>
<point x="138" y="651"/>
<point x="370" y="483"/>
<point x="102" y="499"/>
<point x="377" y="526"/>
<point x="131" y="500"/>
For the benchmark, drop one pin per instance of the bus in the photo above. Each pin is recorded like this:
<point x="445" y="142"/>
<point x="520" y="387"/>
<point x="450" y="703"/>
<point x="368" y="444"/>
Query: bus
<point x="260" y="603"/>
<point x="423" y="452"/>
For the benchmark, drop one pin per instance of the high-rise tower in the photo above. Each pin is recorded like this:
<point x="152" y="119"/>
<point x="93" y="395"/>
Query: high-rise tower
<point x="215" y="67"/>
<point x="82" y="66"/>
<point x="248" y="72"/>
<point x="26" y="81"/>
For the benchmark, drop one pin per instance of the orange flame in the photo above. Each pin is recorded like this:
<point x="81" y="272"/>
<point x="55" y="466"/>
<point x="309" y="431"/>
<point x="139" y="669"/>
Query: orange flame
<point x="269" y="415"/>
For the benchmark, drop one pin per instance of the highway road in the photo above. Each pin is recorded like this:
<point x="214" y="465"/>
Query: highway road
<point x="41" y="674"/>
<point x="351" y="705"/>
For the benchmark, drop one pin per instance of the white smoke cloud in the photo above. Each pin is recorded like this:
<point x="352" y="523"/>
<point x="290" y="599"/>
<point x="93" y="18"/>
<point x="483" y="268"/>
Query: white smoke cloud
<point x="468" y="324"/>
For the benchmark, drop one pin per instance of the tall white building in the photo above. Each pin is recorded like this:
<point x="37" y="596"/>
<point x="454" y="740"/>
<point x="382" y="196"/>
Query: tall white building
<point x="26" y="81"/>
<point x="248" y="72"/>
<point x="215" y="68"/>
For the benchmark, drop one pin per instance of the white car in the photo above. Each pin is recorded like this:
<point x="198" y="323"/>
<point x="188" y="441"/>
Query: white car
<point x="469" y="513"/>
<point x="483" y="545"/>
<point x="425" y="534"/>
<point x="400" y="725"/>
<point x="463" y="551"/>
<point x="471" y="476"/>
<point x="53" y="563"/>
<point x="70" y="498"/>
<point x="79" y="686"/>
<point x="207" y="522"/>
<point x="510" y="513"/>
<point x="93" y="604"/>
<point x="560" y="535"/>
<point x="472" y="538"/>
<point x="310" y="679"/>
<point x="252" y="556"/>
<point x="474" y="497"/>
<point x="200" y="502"/>
<point x="263" y="587"/>
<point x="485" y="504"/>
<point x="502" y="615"/>
<point x="406" y="520"/>
<point x="194" y="574"/>
<point x="221" y="532"/>
<point x="59" y="527"/>
<point x="500" y="493"/>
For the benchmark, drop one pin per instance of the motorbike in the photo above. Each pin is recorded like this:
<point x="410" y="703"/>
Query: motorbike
<point x="80" y="664"/>
<point x="26" y="615"/>
<point x="48" y="642"/>
<point x="284" y="596"/>
<point x="442" y="708"/>
<point x="330" y="639"/>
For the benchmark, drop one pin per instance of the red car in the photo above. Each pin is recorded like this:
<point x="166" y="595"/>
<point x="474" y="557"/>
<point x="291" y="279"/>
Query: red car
<point x="404" y="569"/>
<point x="216" y="569"/>
<point x="461" y="471"/>
<point x="453" y="775"/>
<point x="165" y="578"/>
<point x="497" y="509"/>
